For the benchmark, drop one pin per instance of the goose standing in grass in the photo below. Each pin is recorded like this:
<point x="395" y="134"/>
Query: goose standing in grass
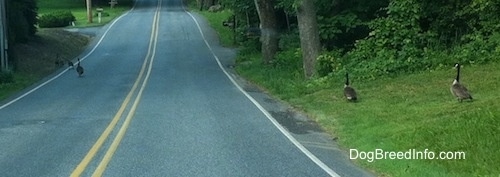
<point x="457" y="89"/>
<point x="349" y="92"/>
<point x="79" y="68"/>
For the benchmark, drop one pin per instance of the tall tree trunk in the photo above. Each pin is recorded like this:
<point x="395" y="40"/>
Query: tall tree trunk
<point x="200" y="4"/>
<point x="89" y="11"/>
<point x="309" y="36"/>
<point x="268" y="29"/>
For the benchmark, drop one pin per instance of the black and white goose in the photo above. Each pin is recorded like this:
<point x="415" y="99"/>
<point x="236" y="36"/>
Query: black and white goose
<point x="349" y="92"/>
<point x="457" y="89"/>
<point x="79" y="68"/>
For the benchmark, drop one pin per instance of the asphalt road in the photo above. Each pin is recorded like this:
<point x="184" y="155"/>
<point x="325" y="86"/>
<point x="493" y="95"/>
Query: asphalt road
<point x="155" y="101"/>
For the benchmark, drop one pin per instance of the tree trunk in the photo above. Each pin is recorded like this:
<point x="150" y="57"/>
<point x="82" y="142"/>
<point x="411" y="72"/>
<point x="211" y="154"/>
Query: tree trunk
<point x="309" y="36"/>
<point x="268" y="29"/>
<point x="89" y="11"/>
<point x="208" y="4"/>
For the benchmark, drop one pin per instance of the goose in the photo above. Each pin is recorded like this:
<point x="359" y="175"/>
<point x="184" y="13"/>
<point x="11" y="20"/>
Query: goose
<point x="349" y="92"/>
<point x="79" y="69"/>
<point x="70" y="64"/>
<point x="58" y="61"/>
<point x="457" y="89"/>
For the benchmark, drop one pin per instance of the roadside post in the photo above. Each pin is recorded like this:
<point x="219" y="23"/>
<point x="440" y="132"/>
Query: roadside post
<point x="112" y="3"/>
<point x="99" y="14"/>
<point x="4" y="61"/>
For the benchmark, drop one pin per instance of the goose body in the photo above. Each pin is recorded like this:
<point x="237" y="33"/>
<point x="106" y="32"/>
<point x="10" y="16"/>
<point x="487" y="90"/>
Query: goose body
<point x="79" y="68"/>
<point x="58" y="61"/>
<point x="349" y="92"/>
<point x="70" y="64"/>
<point x="457" y="89"/>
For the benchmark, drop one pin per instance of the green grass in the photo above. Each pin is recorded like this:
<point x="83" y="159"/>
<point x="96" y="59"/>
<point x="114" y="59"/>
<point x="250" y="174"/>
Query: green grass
<point x="36" y="58"/>
<point x="397" y="114"/>
<point x="21" y="81"/>
<point x="79" y="10"/>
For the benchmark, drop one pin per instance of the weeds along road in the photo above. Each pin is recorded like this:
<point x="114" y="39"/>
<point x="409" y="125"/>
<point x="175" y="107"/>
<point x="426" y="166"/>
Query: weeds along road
<point x="153" y="101"/>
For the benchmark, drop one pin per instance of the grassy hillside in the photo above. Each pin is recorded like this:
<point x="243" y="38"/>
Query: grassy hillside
<point x="407" y="112"/>
<point x="36" y="59"/>
<point x="414" y="111"/>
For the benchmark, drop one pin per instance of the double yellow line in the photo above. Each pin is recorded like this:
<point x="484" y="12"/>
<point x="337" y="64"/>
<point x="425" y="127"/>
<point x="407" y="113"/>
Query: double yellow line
<point x="147" y="65"/>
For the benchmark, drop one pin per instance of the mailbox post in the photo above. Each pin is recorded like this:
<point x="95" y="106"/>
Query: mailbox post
<point x="99" y="14"/>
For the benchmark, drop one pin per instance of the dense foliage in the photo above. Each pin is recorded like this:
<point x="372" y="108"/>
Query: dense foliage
<point x="413" y="36"/>
<point x="6" y="77"/>
<point x="386" y="37"/>
<point x="22" y="18"/>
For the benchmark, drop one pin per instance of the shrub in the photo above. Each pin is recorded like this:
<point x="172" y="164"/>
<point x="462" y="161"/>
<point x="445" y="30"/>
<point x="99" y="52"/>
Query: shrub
<point x="6" y="77"/>
<point x="56" y="19"/>
<point x="479" y="49"/>
<point x="289" y="40"/>
<point x="329" y="62"/>
<point x="249" y="46"/>
<point x="290" y="59"/>
<point x="22" y="20"/>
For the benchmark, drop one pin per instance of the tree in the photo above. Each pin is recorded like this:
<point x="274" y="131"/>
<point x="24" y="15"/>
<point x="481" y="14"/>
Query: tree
<point x="268" y="28"/>
<point x="309" y="36"/>
<point x="22" y="18"/>
<point x="205" y="4"/>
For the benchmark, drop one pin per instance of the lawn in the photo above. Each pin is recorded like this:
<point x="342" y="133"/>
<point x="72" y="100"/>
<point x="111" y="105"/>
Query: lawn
<point x="79" y="10"/>
<point x="408" y="112"/>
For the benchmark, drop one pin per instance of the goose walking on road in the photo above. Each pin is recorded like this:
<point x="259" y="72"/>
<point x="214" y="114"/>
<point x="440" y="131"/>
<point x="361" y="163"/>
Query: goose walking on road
<point x="70" y="64"/>
<point x="79" y="68"/>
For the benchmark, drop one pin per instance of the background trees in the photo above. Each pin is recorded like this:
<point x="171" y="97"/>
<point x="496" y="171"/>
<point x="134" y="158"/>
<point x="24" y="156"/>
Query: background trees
<point x="22" y="18"/>
<point x="375" y="38"/>
<point x="268" y="29"/>
<point x="309" y="35"/>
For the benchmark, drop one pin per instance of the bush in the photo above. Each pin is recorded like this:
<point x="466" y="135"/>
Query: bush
<point x="479" y="49"/>
<point x="6" y="77"/>
<point x="290" y="59"/>
<point x="330" y="62"/>
<point x="289" y="40"/>
<point x="56" y="19"/>
<point x="249" y="46"/>
<point x="22" y="20"/>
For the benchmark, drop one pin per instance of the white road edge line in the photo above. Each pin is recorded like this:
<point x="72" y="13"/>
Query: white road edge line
<point x="64" y="71"/>
<point x="304" y="150"/>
